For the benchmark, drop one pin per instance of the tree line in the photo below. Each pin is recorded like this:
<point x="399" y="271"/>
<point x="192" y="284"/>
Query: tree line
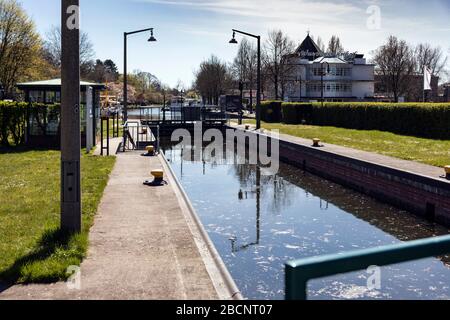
<point x="396" y="61"/>
<point x="25" y="56"/>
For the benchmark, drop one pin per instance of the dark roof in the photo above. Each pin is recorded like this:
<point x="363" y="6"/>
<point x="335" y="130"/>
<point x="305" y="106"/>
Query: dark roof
<point x="309" y="49"/>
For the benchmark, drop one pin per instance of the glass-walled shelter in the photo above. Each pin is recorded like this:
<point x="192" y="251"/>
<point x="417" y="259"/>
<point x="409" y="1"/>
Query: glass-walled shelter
<point x="43" y="120"/>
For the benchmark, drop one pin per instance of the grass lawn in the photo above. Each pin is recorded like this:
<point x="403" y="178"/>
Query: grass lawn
<point x="32" y="249"/>
<point x="429" y="151"/>
<point x="111" y="128"/>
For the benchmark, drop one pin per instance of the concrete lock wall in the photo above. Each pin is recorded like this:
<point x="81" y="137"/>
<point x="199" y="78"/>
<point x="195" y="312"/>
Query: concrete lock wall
<point x="425" y="196"/>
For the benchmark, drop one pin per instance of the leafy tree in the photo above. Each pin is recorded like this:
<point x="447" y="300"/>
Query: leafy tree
<point x="104" y="71"/>
<point x="20" y="45"/>
<point x="111" y="70"/>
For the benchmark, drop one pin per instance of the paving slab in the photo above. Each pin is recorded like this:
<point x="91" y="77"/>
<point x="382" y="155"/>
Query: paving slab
<point x="114" y="144"/>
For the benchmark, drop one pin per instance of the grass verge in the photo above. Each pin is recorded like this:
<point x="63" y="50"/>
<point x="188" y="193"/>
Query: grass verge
<point x="32" y="248"/>
<point x="428" y="151"/>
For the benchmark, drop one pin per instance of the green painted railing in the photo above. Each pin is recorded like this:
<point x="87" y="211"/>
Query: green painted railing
<point x="299" y="272"/>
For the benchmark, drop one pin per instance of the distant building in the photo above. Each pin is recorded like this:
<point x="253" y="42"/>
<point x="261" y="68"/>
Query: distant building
<point x="446" y="96"/>
<point x="413" y="91"/>
<point x="350" y="77"/>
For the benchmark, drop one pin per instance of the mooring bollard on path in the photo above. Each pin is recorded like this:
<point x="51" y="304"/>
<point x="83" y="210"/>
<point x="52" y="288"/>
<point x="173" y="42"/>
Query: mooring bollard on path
<point x="447" y="172"/>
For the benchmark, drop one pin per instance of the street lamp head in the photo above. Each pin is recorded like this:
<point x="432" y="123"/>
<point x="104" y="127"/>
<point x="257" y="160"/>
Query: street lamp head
<point x="152" y="38"/>
<point x="328" y="69"/>
<point x="233" y="41"/>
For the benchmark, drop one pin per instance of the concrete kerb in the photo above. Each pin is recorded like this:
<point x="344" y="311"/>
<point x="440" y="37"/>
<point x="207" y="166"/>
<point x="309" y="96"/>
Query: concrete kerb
<point x="222" y="280"/>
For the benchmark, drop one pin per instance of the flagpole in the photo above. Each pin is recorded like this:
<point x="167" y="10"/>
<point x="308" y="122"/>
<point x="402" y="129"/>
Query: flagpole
<point x="423" y="91"/>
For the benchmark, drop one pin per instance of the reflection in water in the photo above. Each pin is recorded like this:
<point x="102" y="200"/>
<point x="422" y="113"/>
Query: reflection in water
<point x="257" y="191"/>
<point x="259" y="222"/>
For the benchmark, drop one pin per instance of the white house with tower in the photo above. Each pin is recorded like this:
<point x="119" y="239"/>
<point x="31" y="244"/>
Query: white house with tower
<point x="313" y="75"/>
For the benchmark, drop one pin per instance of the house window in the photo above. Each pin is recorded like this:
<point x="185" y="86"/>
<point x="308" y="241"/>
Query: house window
<point x="52" y="97"/>
<point x="37" y="96"/>
<point x="343" y="87"/>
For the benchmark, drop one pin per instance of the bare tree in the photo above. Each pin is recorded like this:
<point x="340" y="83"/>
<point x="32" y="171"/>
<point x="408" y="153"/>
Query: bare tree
<point x="319" y="42"/>
<point x="212" y="80"/>
<point x="395" y="62"/>
<point x="334" y="46"/>
<point x="19" y="44"/>
<point x="427" y="56"/>
<point x="252" y="73"/>
<point x="276" y="48"/>
<point x="240" y="67"/>
<point x="52" y="46"/>
<point x="244" y="67"/>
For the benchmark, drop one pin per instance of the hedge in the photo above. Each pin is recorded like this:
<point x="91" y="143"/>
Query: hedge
<point x="13" y="120"/>
<point x="297" y="113"/>
<point x="428" y="120"/>
<point x="271" y="111"/>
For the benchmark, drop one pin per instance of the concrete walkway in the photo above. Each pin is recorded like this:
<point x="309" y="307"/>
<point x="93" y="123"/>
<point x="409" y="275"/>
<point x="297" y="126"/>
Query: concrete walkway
<point x="114" y="144"/>
<point x="143" y="245"/>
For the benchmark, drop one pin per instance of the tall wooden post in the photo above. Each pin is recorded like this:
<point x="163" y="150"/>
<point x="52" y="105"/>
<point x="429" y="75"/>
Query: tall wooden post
<point x="70" y="117"/>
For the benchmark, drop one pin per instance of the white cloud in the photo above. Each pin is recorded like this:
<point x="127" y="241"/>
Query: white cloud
<point x="279" y="10"/>
<point x="412" y="20"/>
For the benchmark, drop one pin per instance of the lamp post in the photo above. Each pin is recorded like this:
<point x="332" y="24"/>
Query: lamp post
<point x="182" y="95"/>
<point x="164" y="105"/>
<point x="322" y="74"/>
<point x="258" y="81"/>
<point x="70" y="117"/>
<point x="125" y="74"/>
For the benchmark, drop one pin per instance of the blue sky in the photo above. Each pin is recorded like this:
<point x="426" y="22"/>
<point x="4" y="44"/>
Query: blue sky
<point x="189" y="31"/>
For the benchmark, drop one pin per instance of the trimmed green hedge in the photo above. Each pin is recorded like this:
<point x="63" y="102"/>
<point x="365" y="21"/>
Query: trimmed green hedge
<point x="428" y="120"/>
<point x="271" y="111"/>
<point x="297" y="113"/>
<point x="12" y="122"/>
<point x="13" y="119"/>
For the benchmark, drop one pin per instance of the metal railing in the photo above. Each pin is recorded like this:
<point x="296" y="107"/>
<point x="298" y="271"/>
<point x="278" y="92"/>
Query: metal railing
<point x="299" y="272"/>
<point x="178" y="114"/>
<point x="138" y="135"/>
